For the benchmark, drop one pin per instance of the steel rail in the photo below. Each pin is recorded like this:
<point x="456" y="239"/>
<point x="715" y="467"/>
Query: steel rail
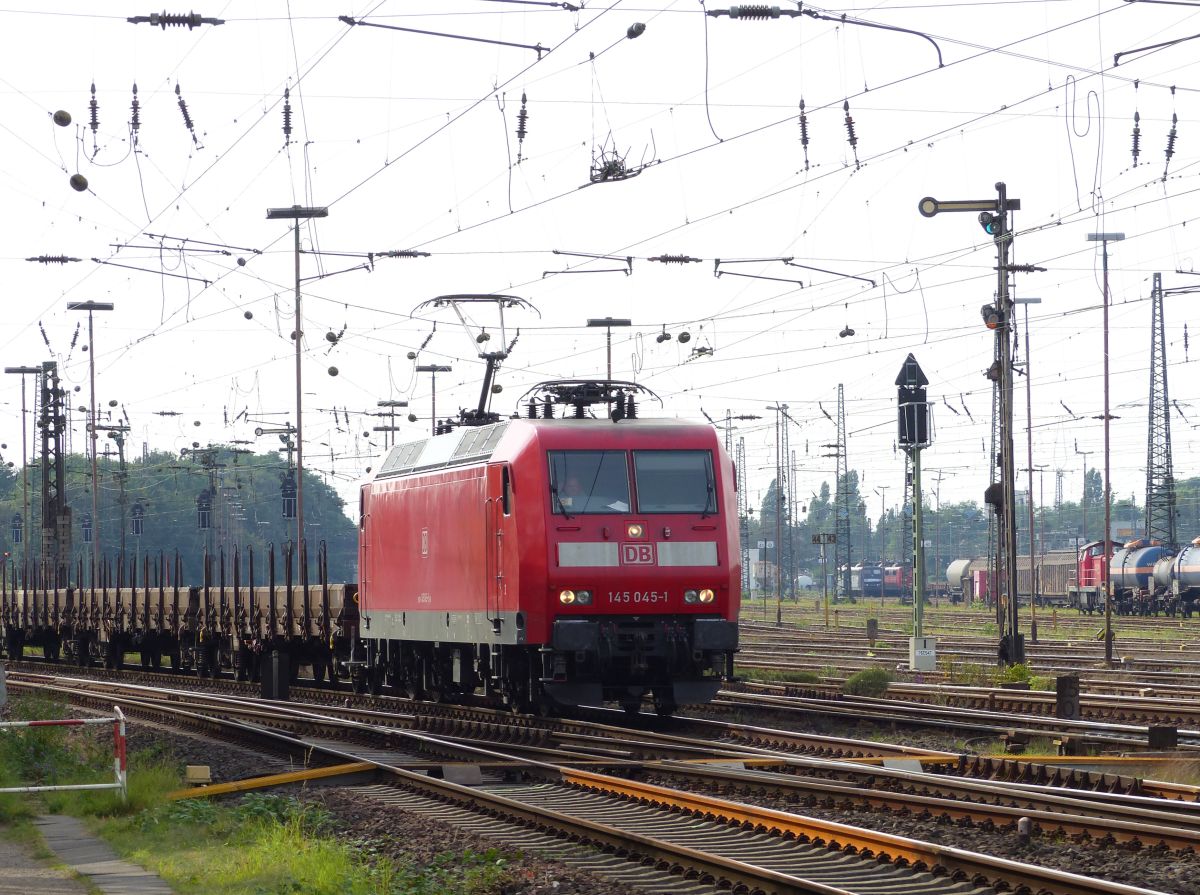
<point x="1051" y="813"/>
<point x="961" y="864"/>
<point x="950" y="717"/>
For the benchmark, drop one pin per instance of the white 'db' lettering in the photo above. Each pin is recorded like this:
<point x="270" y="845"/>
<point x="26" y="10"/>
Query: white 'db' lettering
<point x="637" y="554"/>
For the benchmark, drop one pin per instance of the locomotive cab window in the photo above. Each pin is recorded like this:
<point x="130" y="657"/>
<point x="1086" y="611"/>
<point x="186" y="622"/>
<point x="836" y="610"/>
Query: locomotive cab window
<point x="588" y="482"/>
<point x="675" y="482"/>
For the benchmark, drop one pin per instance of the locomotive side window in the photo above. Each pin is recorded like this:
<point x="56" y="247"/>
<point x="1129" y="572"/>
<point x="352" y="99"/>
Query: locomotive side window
<point x="583" y="482"/>
<point x="675" y="482"/>
<point x="506" y="490"/>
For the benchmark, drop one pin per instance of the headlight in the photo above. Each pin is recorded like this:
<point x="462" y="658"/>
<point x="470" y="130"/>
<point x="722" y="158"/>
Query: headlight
<point x="634" y="530"/>
<point x="566" y="597"/>
<point x="707" y="596"/>
<point x="583" y="597"/>
<point x="692" y="596"/>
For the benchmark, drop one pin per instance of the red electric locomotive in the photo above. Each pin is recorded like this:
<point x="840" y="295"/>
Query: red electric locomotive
<point x="554" y="561"/>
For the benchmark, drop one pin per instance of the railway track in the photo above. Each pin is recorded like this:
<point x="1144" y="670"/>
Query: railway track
<point x="1000" y="721"/>
<point x="711" y="839"/>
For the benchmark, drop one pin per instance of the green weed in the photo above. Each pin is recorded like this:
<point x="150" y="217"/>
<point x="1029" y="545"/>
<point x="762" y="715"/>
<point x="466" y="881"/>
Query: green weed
<point x="868" y="682"/>
<point x="1015" y="674"/>
<point x="780" y="675"/>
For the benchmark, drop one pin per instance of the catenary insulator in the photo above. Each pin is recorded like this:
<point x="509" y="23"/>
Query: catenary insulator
<point x="177" y="19"/>
<point x="94" y="111"/>
<point x="754" y="12"/>
<point x="187" y="119"/>
<point x="135" y="122"/>
<point x="522" y="120"/>
<point x="1137" y="138"/>
<point x="287" y="114"/>
<point x="850" y="135"/>
<point x="675" y="259"/>
<point x="804" y="133"/>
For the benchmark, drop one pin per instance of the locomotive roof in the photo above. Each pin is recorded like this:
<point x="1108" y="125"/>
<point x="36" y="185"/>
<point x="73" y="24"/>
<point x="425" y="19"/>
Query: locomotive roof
<point x="475" y="444"/>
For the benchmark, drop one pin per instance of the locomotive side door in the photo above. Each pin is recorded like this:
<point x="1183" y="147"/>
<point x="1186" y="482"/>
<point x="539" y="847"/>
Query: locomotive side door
<point x="497" y="511"/>
<point x="365" y="553"/>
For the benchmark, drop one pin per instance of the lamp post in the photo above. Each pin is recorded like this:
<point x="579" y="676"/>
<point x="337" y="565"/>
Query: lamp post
<point x="23" y="372"/>
<point x="298" y="213"/>
<point x="433" y="370"/>
<point x="91" y="307"/>
<point x="780" y="460"/>
<point x="1104" y="239"/>
<point x="1083" y="497"/>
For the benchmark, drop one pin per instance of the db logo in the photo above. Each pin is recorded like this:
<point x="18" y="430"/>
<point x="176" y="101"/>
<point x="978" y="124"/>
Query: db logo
<point x="637" y="554"/>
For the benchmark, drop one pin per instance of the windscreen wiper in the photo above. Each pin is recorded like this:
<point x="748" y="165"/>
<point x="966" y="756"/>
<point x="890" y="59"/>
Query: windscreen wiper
<point x="558" y="501"/>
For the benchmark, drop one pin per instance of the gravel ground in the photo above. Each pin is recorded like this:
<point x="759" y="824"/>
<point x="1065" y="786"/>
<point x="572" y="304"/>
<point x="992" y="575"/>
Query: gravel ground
<point x="412" y="839"/>
<point x="1153" y="868"/>
<point x="418" y="839"/>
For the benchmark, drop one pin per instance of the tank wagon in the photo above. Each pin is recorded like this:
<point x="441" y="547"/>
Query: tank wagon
<point x="1177" y="579"/>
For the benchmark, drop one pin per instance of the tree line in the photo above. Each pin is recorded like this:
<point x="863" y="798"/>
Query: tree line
<point x="955" y="530"/>
<point x="154" y="504"/>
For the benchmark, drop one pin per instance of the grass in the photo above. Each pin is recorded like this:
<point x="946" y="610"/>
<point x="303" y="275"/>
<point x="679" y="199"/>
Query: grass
<point x="274" y="844"/>
<point x="779" y="675"/>
<point x="260" y="844"/>
<point x="1035" y="746"/>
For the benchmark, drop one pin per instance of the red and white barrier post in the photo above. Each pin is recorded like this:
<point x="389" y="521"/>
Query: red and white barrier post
<point x="121" y="783"/>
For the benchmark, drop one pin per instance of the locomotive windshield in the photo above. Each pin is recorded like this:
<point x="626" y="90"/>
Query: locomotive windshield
<point x="675" y="482"/>
<point x="588" y="482"/>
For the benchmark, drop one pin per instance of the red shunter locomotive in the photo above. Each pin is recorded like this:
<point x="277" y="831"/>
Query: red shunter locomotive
<point x="554" y="560"/>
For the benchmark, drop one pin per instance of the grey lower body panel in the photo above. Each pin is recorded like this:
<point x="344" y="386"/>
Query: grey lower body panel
<point x="502" y="628"/>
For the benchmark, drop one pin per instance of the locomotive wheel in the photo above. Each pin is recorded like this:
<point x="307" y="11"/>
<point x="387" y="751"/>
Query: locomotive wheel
<point x="631" y="706"/>
<point x="664" y="705"/>
<point x="516" y="697"/>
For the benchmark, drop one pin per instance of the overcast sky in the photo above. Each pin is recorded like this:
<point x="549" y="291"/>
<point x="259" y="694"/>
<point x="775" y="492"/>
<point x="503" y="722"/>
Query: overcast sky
<point x="410" y="140"/>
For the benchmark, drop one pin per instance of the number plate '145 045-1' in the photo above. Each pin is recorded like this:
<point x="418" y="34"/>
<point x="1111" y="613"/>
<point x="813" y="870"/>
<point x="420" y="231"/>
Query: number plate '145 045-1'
<point x="637" y="596"/>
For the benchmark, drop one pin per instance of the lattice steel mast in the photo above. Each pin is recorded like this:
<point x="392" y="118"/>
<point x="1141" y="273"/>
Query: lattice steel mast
<point x="56" y="515"/>
<point x="843" y="553"/>
<point x="1160" y="478"/>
